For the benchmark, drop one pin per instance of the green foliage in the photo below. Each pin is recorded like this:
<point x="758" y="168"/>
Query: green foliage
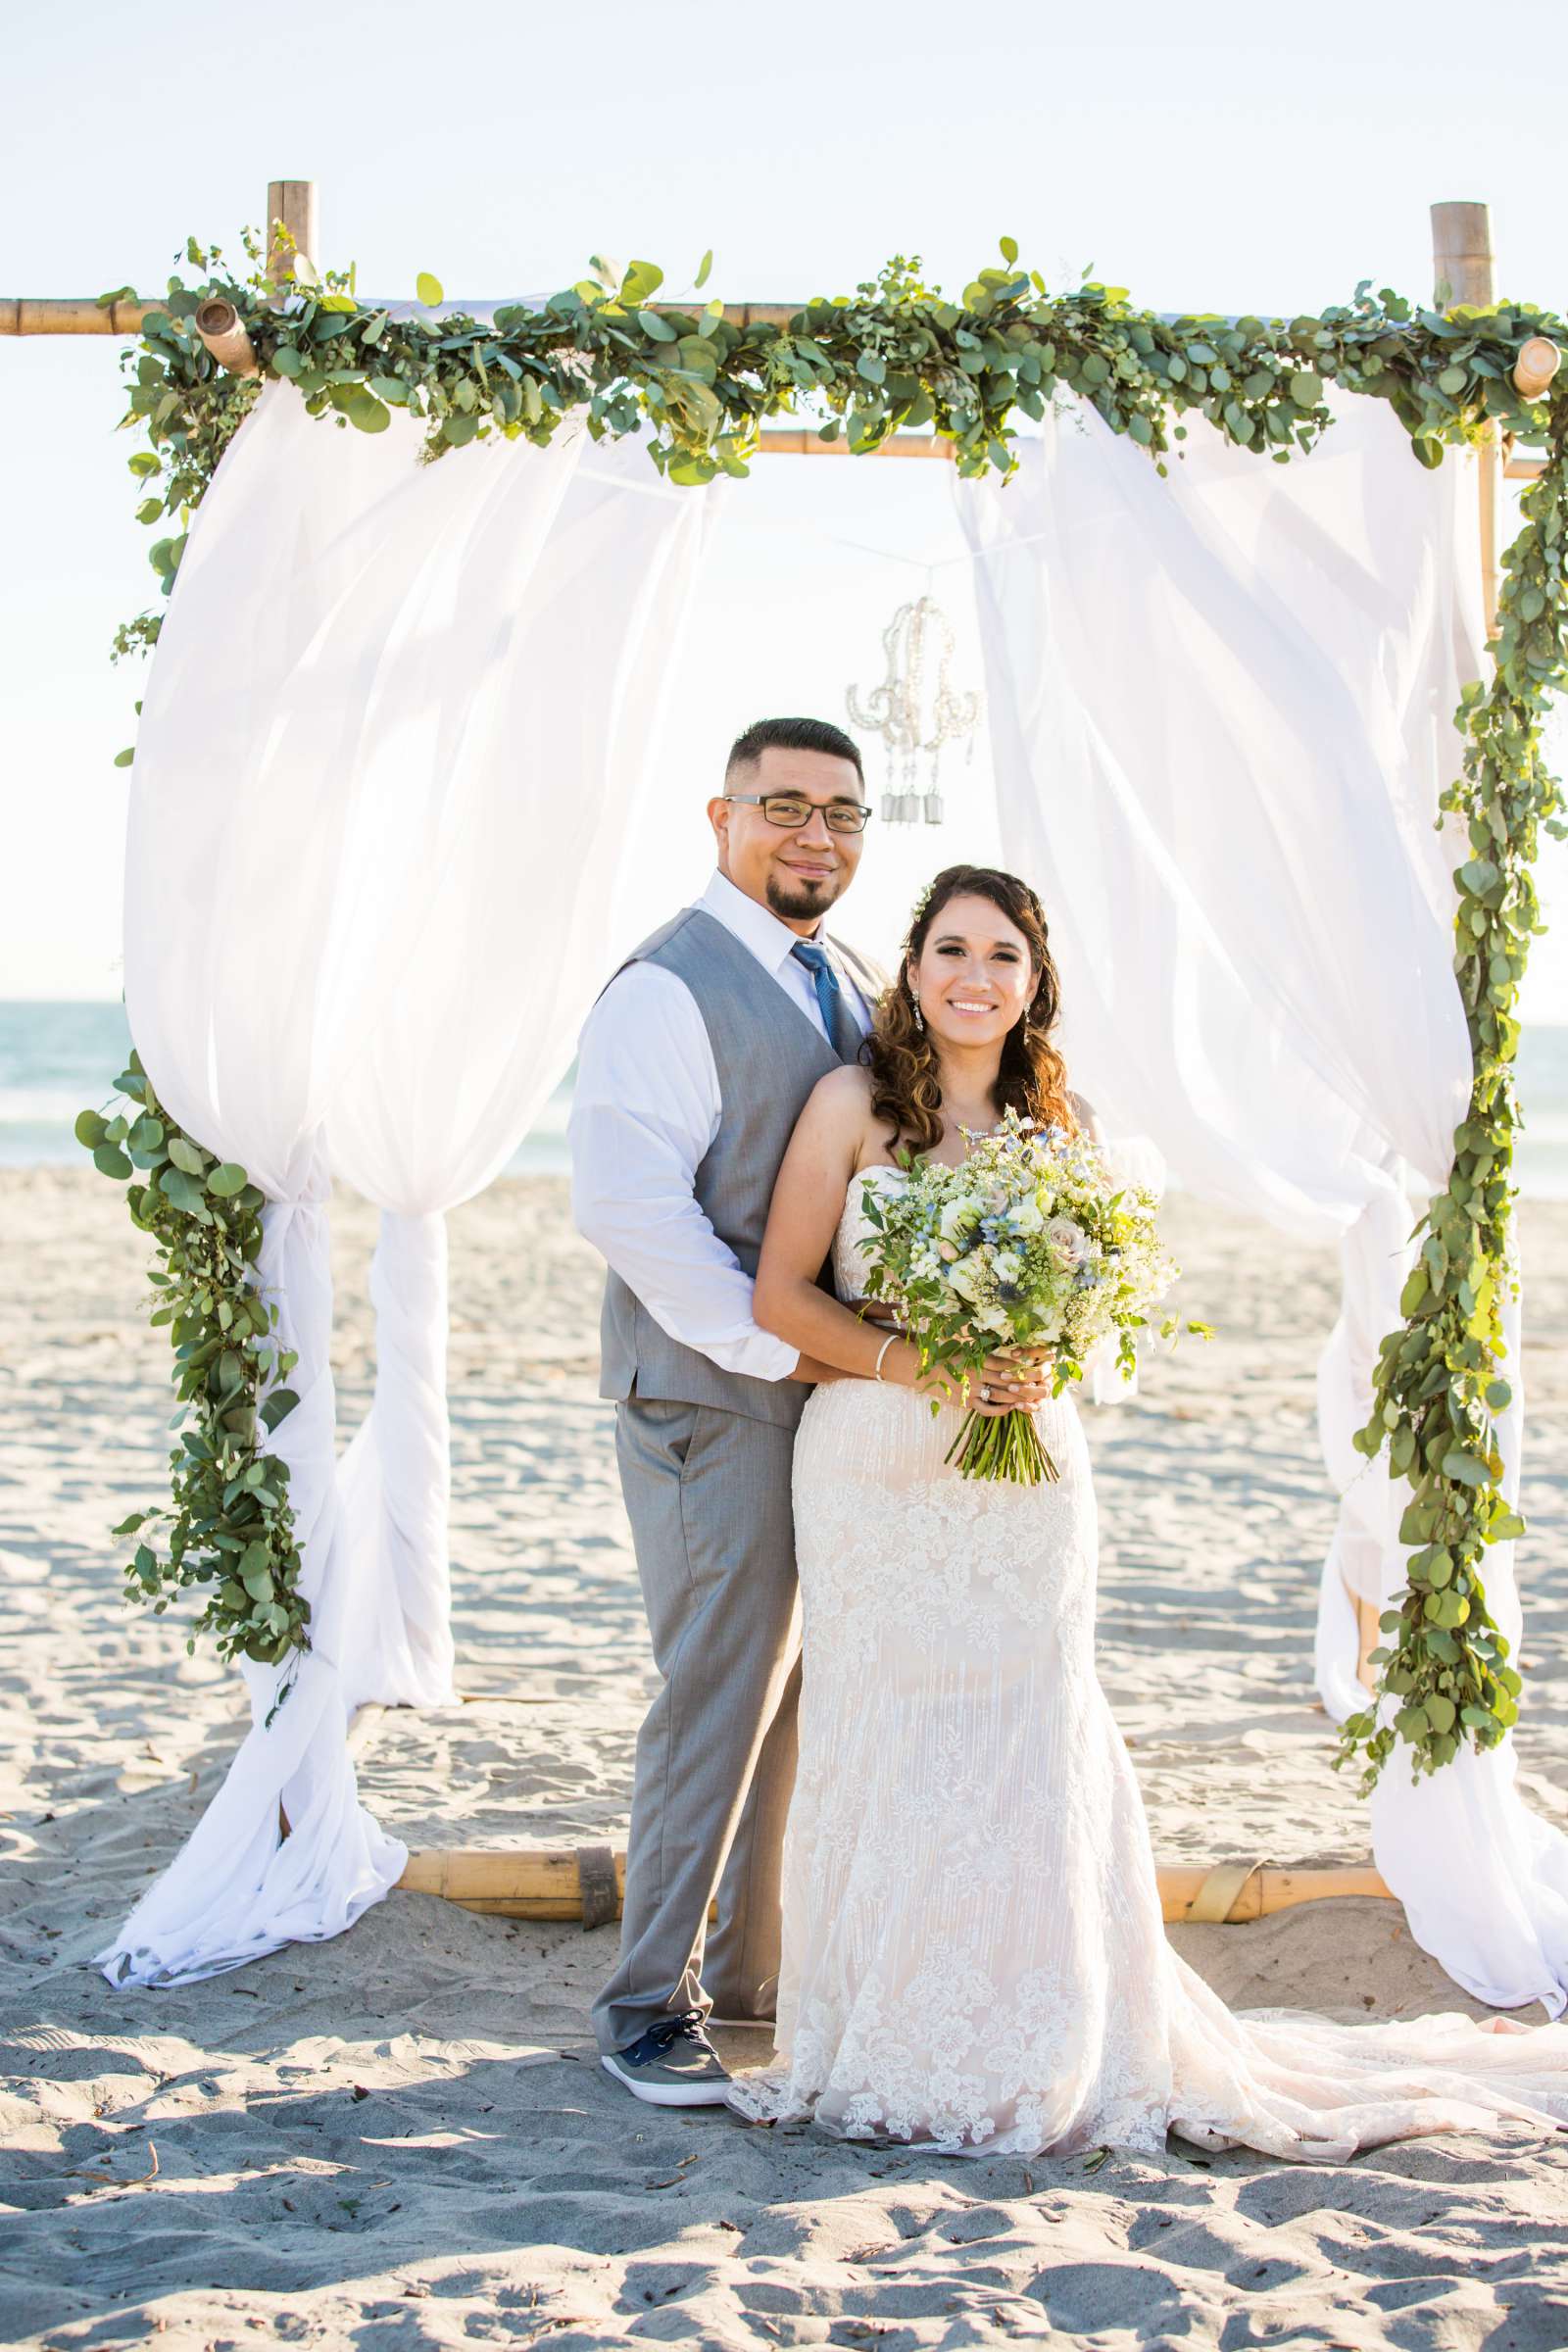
<point x="1438" y="1385"/>
<point x="896" y="356"/>
<point x="227" y="1526"/>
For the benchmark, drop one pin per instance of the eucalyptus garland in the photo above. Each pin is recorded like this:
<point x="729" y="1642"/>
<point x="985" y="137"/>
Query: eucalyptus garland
<point x="1439" y="1383"/>
<point x="227" y="1525"/>
<point x="892" y="357"/>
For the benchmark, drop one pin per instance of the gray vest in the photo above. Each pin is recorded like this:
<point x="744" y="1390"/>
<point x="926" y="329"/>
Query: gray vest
<point x="768" y="1054"/>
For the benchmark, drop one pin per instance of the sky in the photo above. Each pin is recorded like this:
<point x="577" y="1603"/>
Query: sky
<point x="1222" y="170"/>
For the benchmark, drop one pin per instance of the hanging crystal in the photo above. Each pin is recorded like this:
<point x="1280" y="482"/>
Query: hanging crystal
<point x="894" y="712"/>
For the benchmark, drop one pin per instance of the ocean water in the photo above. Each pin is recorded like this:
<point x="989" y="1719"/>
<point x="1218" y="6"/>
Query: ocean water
<point x="56" y="1059"/>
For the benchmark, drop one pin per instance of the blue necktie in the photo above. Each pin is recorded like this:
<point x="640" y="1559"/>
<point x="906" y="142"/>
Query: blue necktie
<point x="837" y="1019"/>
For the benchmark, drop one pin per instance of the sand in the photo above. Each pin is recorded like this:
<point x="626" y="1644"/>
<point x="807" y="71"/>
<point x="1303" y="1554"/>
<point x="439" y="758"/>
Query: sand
<point x="400" y="2137"/>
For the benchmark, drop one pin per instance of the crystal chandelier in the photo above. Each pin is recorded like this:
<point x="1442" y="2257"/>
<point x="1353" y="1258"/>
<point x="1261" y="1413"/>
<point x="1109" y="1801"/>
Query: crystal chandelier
<point x="918" y="634"/>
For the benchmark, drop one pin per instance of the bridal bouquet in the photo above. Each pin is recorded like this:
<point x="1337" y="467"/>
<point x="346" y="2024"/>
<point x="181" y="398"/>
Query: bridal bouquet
<point x="1027" y="1243"/>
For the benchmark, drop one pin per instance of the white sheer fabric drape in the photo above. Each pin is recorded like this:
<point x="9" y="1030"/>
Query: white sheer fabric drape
<point x="399" y="718"/>
<point x="1221" y="715"/>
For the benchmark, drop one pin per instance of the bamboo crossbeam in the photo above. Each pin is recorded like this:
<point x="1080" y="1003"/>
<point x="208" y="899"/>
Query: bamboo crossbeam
<point x="542" y="1882"/>
<point x="786" y="443"/>
<point x="222" y="331"/>
<point x="70" y="314"/>
<point x="81" y="314"/>
<point x="1263" y="1890"/>
<point x="525" y="1882"/>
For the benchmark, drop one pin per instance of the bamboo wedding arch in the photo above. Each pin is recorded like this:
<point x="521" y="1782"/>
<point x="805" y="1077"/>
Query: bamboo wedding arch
<point x="586" y="1881"/>
<point x="1462" y="263"/>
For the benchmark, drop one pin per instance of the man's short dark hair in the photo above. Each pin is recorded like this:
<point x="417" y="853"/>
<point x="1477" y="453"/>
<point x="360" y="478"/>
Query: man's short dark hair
<point x="793" y="735"/>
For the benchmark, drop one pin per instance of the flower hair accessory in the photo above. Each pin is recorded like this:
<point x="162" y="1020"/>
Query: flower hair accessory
<point x="921" y="903"/>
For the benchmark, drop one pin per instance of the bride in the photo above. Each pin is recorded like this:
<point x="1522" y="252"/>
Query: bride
<point x="974" y="1948"/>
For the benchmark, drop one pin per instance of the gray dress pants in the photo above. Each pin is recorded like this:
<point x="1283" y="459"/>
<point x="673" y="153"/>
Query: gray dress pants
<point x="707" y="1493"/>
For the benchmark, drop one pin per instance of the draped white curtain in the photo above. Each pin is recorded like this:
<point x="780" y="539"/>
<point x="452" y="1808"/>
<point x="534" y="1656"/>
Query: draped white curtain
<point x="398" y="722"/>
<point x="1221" y="716"/>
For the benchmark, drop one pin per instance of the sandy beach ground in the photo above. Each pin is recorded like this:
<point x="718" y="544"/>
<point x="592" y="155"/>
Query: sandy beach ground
<point x="401" y="2138"/>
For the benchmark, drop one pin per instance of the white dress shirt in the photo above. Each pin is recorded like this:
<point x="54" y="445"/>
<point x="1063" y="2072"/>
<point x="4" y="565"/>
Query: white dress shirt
<point x="644" y="1113"/>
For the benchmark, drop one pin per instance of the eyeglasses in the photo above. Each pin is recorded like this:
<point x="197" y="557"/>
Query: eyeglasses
<point x="792" y="809"/>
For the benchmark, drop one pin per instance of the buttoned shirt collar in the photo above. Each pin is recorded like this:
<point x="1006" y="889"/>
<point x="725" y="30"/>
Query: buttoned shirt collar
<point x="755" y="926"/>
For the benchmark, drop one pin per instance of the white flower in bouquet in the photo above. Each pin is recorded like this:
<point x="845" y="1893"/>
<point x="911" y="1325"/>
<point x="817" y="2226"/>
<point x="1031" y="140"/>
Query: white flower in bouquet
<point x="1030" y="1243"/>
<point x="1069" y="1240"/>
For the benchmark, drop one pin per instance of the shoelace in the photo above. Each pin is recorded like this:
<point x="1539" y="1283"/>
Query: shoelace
<point x="671" y="2028"/>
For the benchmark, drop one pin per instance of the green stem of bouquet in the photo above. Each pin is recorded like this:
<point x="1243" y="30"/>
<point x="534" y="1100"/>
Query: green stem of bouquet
<point x="1002" y="1445"/>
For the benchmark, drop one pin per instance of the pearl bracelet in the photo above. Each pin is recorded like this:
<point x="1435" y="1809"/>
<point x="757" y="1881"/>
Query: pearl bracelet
<point x="882" y="1352"/>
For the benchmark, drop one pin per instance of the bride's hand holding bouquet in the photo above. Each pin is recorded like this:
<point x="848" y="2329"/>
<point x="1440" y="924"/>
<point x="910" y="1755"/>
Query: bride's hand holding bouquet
<point x="1010" y="1378"/>
<point x="1026" y="1247"/>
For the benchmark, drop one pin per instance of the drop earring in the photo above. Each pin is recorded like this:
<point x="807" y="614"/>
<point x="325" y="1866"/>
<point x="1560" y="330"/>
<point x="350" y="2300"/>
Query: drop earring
<point x="920" y="1017"/>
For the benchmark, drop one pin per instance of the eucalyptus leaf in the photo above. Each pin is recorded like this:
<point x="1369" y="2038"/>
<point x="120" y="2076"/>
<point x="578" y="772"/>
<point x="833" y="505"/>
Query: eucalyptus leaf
<point x="368" y="413"/>
<point x="1464" y="1467"/>
<point x="278" y="1406"/>
<point x="180" y="1187"/>
<point x="642" y="279"/>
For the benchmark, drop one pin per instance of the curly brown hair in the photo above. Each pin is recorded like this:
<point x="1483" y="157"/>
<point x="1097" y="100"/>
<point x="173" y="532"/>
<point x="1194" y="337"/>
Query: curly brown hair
<point x="906" y="1080"/>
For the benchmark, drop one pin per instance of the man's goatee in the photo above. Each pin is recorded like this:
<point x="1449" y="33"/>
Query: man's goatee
<point x="810" y="898"/>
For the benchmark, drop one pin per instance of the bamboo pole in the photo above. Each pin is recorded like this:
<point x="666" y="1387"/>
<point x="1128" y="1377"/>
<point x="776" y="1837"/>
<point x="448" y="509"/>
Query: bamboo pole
<point x="293" y="228"/>
<point x="226" y="338"/>
<point x="1533" y="370"/>
<point x="1369" y="1637"/>
<point x="1462" y="273"/>
<point x="543" y="1882"/>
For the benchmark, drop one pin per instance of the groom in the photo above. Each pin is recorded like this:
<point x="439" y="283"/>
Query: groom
<point x="693" y="1068"/>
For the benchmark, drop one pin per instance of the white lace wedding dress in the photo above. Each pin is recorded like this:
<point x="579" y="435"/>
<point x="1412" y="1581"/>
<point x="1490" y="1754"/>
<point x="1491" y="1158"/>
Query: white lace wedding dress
<point x="973" y="1950"/>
